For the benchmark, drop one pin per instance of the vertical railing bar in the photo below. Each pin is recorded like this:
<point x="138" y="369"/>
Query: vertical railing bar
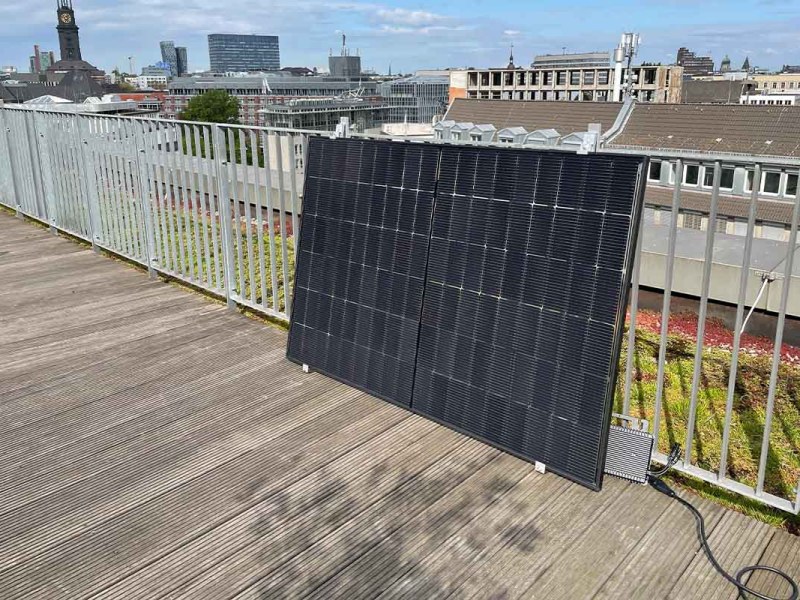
<point x="143" y="177"/>
<point x="153" y="184"/>
<point x="141" y="188"/>
<point x="128" y="188"/>
<point x="251" y="267"/>
<point x="225" y="215"/>
<point x="110" y="183"/>
<point x="776" y="352"/>
<point x="282" y="208"/>
<point x="177" y="196"/>
<point x="295" y="199"/>
<point x="259" y="217"/>
<point x="634" y="309"/>
<point x="45" y="132"/>
<point x="186" y="194"/>
<point x="7" y="119"/>
<point x="214" y="202"/>
<point x="54" y="135"/>
<point x="34" y="149"/>
<point x="662" y="350"/>
<point x="97" y="203"/>
<point x="194" y="174"/>
<point x="737" y="332"/>
<point x="237" y="229"/>
<point x="87" y="222"/>
<point x="22" y="189"/>
<point x="71" y="179"/>
<point x="160" y="164"/>
<point x="701" y="319"/>
<point x="120" y="189"/>
<point x="202" y="172"/>
<point x="273" y="265"/>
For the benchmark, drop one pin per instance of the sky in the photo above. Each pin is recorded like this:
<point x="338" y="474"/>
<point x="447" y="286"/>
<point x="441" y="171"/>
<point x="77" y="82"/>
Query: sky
<point x="411" y="35"/>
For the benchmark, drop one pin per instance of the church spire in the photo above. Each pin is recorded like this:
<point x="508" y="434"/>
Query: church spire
<point x="511" y="58"/>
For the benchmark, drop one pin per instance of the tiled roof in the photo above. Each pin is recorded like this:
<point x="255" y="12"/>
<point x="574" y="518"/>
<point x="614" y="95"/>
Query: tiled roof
<point x="772" y="211"/>
<point x="565" y="117"/>
<point x="745" y="129"/>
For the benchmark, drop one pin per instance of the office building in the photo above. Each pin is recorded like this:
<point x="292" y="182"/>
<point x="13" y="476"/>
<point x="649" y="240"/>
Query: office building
<point x="324" y="114"/>
<point x="693" y="64"/>
<point x="169" y="56"/>
<point x="157" y="70"/>
<point x="782" y="83"/>
<point x="586" y="60"/>
<point x="233" y="53"/>
<point x="40" y="60"/>
<point x="417" y="99"/>
<point x="183" y="61"/>
<point x="254" y="93"/>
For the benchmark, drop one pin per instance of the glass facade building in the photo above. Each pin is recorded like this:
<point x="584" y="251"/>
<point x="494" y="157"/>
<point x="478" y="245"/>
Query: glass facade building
<point x="239" y="53"/>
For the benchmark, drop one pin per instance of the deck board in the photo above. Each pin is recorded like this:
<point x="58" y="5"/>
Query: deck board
<point x="156" y="444"/>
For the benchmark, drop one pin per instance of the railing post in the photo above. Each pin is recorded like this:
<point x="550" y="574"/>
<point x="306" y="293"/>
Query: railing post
<point x="144" y="197"/>
<point x="13" y="167"/>
<point x="33" y="153"/>
<point x="46" y="171"/>
<point x="228" y="269"/>
<point x="82" y="129"/>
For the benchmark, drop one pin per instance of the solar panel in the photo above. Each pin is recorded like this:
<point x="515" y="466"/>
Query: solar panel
<point x="361" y="262"/>
<point x="529" y="266"/>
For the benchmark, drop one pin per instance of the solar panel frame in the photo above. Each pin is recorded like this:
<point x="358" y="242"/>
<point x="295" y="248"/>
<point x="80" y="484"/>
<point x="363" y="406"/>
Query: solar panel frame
<point x="494" y="366"/>
<point x="479" y="364"/>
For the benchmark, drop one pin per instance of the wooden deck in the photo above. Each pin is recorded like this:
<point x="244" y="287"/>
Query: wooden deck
<point x="156" y="445"/>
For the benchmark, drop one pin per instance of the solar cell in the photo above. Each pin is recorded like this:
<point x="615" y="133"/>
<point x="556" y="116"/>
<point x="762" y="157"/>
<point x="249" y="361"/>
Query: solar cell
<point x="361" y="262"/>
<point x="525" y="296"/>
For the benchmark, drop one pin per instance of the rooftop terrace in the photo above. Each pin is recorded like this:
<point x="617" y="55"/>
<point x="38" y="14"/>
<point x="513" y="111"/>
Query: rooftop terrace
<point x="156" y="444"/>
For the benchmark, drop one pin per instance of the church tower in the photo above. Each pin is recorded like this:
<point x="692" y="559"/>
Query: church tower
<point x="67" y="31"/>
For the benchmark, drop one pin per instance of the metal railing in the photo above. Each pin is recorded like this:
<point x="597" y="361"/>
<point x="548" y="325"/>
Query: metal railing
<point x="217" y="206"/>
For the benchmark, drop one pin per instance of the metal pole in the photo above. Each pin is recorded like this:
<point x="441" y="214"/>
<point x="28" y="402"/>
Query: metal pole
<point x="776" y="352"/>
<point x="225" y="217"/>
<point x="33" y="152"/>
<point x="13" y="167"/>
<point x="637" y="265"/>
<point x="144" y="198"/>
<point x="662" y="351"/>
<point x="701" y="319"/>
<point x="737" y="335"/>
<point x="91" y="191"/>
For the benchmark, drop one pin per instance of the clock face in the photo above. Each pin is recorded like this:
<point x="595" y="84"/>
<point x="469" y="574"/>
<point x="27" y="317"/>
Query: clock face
<point x="66" y="18"/>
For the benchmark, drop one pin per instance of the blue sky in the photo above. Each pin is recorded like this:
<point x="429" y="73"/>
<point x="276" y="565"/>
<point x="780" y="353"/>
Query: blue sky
<point x="412" y="35"/>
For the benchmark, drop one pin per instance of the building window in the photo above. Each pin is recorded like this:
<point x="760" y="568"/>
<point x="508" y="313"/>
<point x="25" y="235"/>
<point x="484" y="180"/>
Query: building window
<point x="561" y="78"/>
<point x="691" y="174"/>
<point x="535" y="78"/>
<point x="725" y="180"/>
<point x="586" y="95"/>
<point x="588" y="77"/>
<point x="774" y="231"/>
<point x="574" y="77"/>
<point x="521" y="78"/>
<point x="545" y="95"/>
<point x="602" y="77"/>
<point x="496" y="78"/>
<point x="721" y="225"/>
<point x="791" y="185"/>
<point x="693" y="221"/>
<point x="654" y="172"/>
<point x="509" y="78"/>
<point x="547" y="77"/>
<point x="771" y="182"/>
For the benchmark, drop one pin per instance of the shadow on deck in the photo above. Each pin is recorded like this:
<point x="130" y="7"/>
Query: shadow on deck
<point x="156" y="445"/>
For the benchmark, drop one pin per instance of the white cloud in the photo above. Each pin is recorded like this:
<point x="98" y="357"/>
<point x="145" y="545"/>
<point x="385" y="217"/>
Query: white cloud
<point x="405" y="17"/>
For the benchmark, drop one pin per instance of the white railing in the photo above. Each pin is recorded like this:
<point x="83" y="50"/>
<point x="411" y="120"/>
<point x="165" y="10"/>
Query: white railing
<point x="217" y="207"/>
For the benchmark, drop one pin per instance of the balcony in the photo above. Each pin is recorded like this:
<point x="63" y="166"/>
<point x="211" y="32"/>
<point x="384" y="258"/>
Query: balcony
<point x="158" y="444"/>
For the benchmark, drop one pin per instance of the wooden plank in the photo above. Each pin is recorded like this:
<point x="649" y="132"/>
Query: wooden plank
<point x="783" y="552"/>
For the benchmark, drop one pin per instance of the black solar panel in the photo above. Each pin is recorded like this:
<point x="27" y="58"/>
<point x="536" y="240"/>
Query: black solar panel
<point x="524" y="300"/>
<point x="361" y="262"/>
<point x="483" y="287"/>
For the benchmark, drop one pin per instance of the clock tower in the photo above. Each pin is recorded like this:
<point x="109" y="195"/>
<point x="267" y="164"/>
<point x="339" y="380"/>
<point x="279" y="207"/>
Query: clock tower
<point x="68" y="31"/>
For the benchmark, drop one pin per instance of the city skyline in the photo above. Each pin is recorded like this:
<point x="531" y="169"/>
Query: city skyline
<point x="451" y="34"/>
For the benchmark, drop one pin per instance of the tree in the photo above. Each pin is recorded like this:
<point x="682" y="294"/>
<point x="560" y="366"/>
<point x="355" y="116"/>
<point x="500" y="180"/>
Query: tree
<point x="215" y="106"/>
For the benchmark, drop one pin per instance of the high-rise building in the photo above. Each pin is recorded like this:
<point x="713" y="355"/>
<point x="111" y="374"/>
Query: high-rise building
<point x="693" y="64"/>
<point x="344" y="65"/>
<point x="241" y="53"/>
<point x="41" y="60"/>
<point x="183" y="60"/>
<point x="169" y="55"/>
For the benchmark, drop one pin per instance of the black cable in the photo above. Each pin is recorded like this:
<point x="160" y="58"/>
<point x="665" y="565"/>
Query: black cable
<point x="658" y="484"/>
